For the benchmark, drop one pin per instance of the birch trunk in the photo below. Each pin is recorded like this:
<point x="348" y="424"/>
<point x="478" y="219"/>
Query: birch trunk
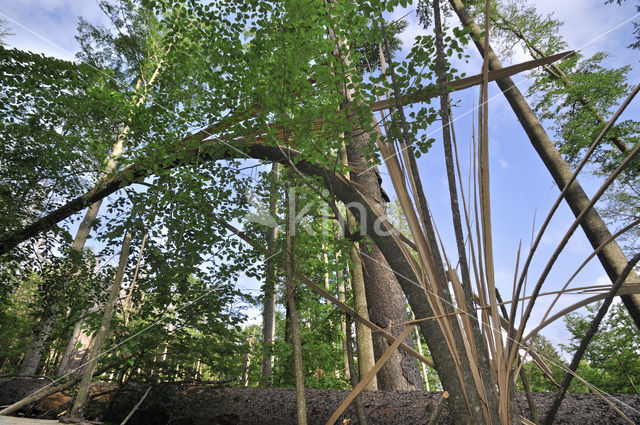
<point x="80" y="341"/>
<point x="36" y="347"/>
<point x="87" y="375"/>
<point x="269" y="304"/>
<point x="301" y="402"/>
<point x="343" y="323"/>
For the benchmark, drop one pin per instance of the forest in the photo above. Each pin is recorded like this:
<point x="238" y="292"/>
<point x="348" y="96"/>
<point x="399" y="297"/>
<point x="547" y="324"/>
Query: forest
<point x="321" y="211"/>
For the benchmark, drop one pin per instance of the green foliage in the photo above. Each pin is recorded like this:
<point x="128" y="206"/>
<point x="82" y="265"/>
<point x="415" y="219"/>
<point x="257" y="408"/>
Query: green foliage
<point x="57" y="121"/>
<point x="576" y="125"/>
<point x="577" y="98"/>
<point x="16" y="329"/>
<point x="240" y="69"/>
<point x="538" y="381"/>
<point x="612" y="361"/>
<point x="370" y="50"/>
<point x="62" y="286"/>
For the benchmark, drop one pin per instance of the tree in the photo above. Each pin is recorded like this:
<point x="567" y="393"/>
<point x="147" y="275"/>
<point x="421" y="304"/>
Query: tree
<point x="540" y="381"/>
<point x="611" y="360"/>
<point x="264" y="81"/>
<point x="4" y="32"/>
<point x="577" y="95"/>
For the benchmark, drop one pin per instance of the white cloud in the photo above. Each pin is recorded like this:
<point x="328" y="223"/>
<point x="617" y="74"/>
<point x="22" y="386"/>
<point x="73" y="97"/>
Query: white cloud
<point x="48" y="27"/>
<point x="504" y="164"/>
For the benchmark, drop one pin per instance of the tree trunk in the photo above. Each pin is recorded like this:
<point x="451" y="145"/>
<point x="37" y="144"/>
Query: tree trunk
<point x="423" y="367"/>
<point x="301" y="402"/>
<point x="611" y="256"/>
<point x="78" y="347"/>
<point x="347" y="193"/>
<point x="353" y="377"/>
<point x="34" y="352"/>
<point x="80" y="340"/>
<point x="247" y="362"/>
<point x="87" y="375"/>
<point x="269" y="303"/>
<point x="343" y="323"/>
<point x="385" y="300"/>
<point x="364" y="337"/>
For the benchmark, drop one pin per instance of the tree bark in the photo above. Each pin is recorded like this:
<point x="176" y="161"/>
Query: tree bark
<point x="343" y="324"/>
<point x="611" y="256"/>
<point x="301" y="402"/>
<point x="271" y="278"/>
<point x="353" y="377"/>
<point x="247" y="362"/>
<point x="385" y="301"/>
<point x="364" y="337"/>
<point x="34" y="352"/>
<point x="87" y="375"/>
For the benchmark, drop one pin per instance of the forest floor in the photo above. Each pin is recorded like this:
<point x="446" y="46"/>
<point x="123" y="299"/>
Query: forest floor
<point x="200" y="404"/>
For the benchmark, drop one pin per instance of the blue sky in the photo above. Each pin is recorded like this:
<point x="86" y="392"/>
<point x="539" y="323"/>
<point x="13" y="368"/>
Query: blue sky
<point x="520" y="183"/>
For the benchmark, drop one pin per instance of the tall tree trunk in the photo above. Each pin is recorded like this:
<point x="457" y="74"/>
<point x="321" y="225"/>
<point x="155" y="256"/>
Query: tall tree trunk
<point x="611" y="256"/>
<point x="364" y="337"/>
<point x="34" y="352"/>
<point x="343" y="323"/>
<point x="80" y="341"/>
<point x="481" y="346"/>
<point x="79" y="344"/>
<point x="353" y="376"/>
<point x="247" y="361"/>
<point x="269" y="303"/>
<point x="479" y="395"/>
<point x="83" y="389"/>
<point x="385" y="300"/>
<point x="301" y="402"/>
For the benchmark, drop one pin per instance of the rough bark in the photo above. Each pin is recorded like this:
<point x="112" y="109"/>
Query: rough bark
<point x="87" y="374"/>
<point x="611" y="256"/>
<point x="385" y="301"/>
<point x="269" y="303"/>
<point x="364" y="337"/>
